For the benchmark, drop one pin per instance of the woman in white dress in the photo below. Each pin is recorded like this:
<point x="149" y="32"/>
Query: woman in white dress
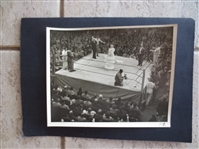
<point x="156" y="53"/>
<point x="110" y="59"/>
<point x="64" y="58"/>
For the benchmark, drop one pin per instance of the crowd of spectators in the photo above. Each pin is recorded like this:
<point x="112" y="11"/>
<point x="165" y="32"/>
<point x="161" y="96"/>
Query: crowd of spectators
<point x="160" y="77"/>
<point x="78" y="43"/>
<point x="151" y="38"/>
<point x="126" y="43"/>
<point x="78" y="106"/>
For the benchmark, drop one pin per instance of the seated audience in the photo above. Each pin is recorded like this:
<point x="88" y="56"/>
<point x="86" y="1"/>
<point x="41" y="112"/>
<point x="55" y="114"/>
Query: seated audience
<point x="79" y="91"/>
<point x="85" y="95"/>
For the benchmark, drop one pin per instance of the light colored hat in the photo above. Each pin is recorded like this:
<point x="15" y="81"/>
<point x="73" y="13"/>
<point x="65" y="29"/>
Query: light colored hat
<point x="100" y="95"/>
<point x="99" y="110"/>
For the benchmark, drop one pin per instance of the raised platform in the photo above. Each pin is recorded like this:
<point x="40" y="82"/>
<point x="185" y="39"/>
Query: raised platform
<point x="91" y="75"/>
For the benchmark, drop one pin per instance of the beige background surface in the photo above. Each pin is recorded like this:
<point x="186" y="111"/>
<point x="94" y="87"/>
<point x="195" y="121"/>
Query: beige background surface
<point x="11" y="11"/>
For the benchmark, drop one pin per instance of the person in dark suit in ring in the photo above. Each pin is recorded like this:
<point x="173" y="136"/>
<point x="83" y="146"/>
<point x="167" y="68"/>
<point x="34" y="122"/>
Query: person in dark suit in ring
<point x="140" y="55"/>
<point x="93" y="45"/>
<point x="70" y="61"/>
<point x="97" y="47"/>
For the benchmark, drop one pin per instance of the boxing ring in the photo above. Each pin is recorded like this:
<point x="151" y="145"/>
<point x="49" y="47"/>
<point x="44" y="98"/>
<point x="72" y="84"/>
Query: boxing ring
<point x="91" y="75"/>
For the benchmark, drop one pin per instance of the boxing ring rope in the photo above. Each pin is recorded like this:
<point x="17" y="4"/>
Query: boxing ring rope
<point x="104" y="74"/>
<point x="103" y="62"/>
<point x="141" y="75"/>
<point x="138" y="76"/>
<point x="100" y="67"/>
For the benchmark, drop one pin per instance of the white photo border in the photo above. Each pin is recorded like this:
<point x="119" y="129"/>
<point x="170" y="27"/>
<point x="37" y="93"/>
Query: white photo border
<point x="110" y="124"/>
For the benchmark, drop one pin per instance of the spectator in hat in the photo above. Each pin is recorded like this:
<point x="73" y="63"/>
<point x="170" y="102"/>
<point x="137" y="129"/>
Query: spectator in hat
<point x="65" y="98"/>
<point x="85" y="95"/>
<point x="71" y="92"/>
<point x="149" y="90"/>
<point x="65" y="106"/>
<point x="79" y="91"/>
<point x="87" y="104"/>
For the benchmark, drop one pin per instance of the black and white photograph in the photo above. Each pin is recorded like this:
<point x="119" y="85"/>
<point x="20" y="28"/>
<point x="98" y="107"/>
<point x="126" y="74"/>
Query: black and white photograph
<point x="120" y="76"/>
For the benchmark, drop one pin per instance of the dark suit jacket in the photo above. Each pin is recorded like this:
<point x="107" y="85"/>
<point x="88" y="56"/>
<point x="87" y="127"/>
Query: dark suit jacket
<point x="70" y="56"/>
<point x="93" y="45"/>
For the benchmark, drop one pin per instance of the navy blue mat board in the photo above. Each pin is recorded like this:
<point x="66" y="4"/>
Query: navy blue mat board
<point x="33" y="80"/>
